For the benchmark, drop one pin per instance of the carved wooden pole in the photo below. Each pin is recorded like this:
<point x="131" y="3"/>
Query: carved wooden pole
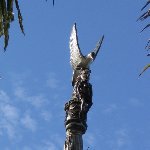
<point x="81" y="100"/>
<point x="76" y="111"/>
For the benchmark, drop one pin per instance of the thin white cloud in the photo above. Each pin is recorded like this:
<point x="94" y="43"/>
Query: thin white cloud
<point x="58" y="139"/>
<point x="7" y="128"/>
<point x="39" y="100"/>
<point x="3" y="97"/>
<point x="122" y="137"/>
<point x="27" y="148"/>
<point x="10" y="113"/>
<point x="135" y="102"/>
<point x="36" y="100"/>
<point x="12" y="122"/>
<point x="90" y="139"/>
<point x="18" y="78"/>
<point x="46" y="115"/>
<point x="109" y="108"/>
<point x="52" y="81"/>
<point x="29" y="122"/>
<point x="120" y="140"/>
<point x="53" y="144"/>
<point x="20" y="92"/>
<point x="6" y="149"/>
<point x="10" y="130"/>
<point x="9" y="116"/>
<point x="21" y="99"/>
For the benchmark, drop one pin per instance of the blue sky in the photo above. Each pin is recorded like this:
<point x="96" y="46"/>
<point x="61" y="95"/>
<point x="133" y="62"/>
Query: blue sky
<point x="37" y="76"/>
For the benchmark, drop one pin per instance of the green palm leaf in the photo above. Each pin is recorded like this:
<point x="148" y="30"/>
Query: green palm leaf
<point x="145" y="68"/>
<point x="10" y="10"/>
<point x="5" y="23"/>
<point x="6" y="17"/>
<point x="19" y="16"/>
<point x="143" y="17"/>
<point x="1" y="20"/>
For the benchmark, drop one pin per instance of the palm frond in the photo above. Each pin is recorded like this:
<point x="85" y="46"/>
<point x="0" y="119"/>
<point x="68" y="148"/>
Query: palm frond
<point x="145" y="68"/>
<point x="147" y="45"/>
<point x="147" y="3"/>
<point x="144" y="16"/>
<point x="19" y="16"/>
<point x="145" y="27"/>
<point x="10" y="9"/>
<point x="1" y="21"/>
<point x="6" y="17"/>
<point x="53" y="2"/>
<point x="5" y="22"/>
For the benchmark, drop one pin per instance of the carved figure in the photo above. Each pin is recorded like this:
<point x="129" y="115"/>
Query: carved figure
<point x="83" y="89"/>
<point x="81" y="101"/>
<point x="77" y="60"/>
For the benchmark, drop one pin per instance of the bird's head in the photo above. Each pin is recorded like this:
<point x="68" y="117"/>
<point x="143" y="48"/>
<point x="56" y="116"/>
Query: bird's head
<point x="91" y="56"/>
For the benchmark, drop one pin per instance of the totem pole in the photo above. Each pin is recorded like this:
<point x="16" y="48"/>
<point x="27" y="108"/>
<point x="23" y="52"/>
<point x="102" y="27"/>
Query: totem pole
<point x="81" y="100"/>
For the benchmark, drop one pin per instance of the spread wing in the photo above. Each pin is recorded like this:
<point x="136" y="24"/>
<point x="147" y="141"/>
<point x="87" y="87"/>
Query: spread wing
<point x="98" y="46"/>
<point x="75" y="53"/>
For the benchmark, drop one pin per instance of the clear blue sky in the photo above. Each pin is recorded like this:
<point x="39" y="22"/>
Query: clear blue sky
<point x="37" y="76"/>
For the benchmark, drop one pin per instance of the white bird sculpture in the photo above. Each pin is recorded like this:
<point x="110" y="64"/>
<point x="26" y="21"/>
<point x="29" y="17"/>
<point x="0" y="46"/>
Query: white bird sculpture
<point x="77" y="60"/>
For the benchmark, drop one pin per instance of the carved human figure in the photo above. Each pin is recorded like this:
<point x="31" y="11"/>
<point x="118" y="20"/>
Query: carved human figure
<point x="83" y="89"/>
